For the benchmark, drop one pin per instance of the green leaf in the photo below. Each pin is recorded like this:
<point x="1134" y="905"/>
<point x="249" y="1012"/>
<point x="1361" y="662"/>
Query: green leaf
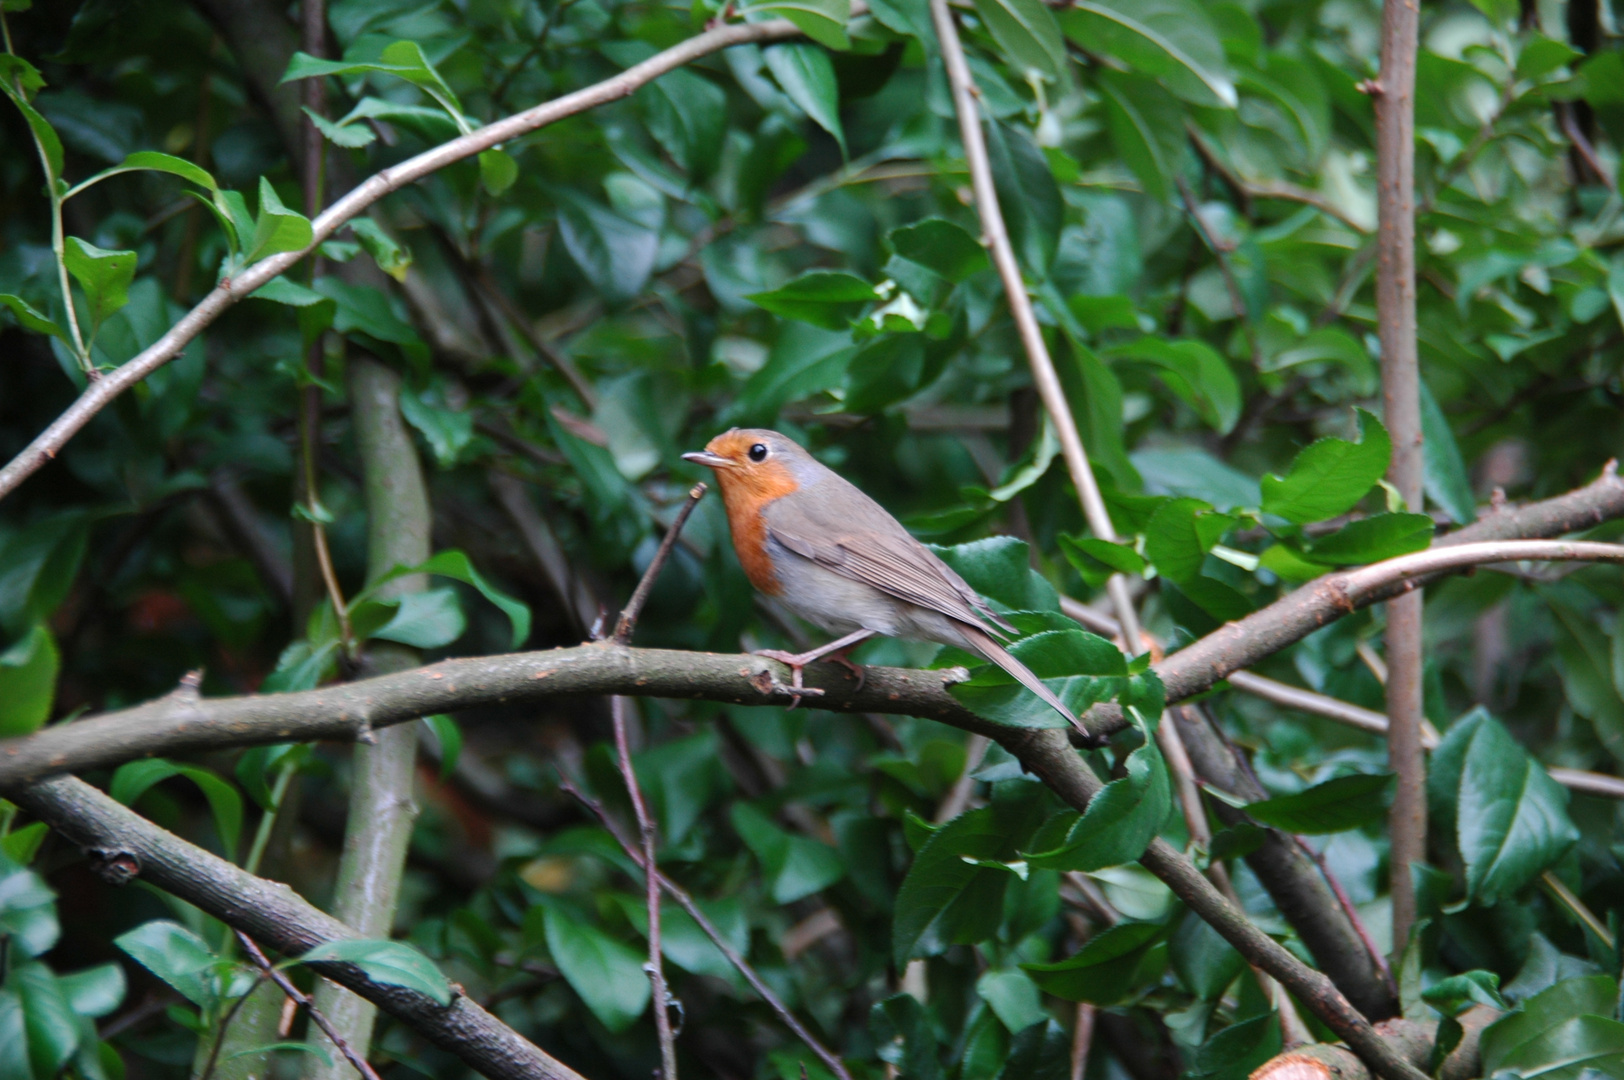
<point x="1443" y="467"/>
<point x="1589" y="672"/>
<point x="94" y="992"/>
<point x="1329" y="476"/>
<point x="21" y="845"/>
<point x="1510" y="819"/>
<point x="277" y="229"/>
<point x="30" y="318"/>
<point x="1195" y="372"/>
<point x="28" y="672"/>
<point x="1081" y="668"/>
<point x="904" y="1037"/>
<point x="1559" y="1033"/>
<point x="404" y="59"/>
<point x="1173" y="40"/>
<point x="393" y="963"/>
<point x="1000" y="569"/>
<point x="941" y="247"/>
<point x="1147" y="129"/>
<point x="153" y="161"/>
<point x="1179" y="535"/>
<point x="949" y="897"/>
<point x="497" y="171"/>
<point x="301" y="666"/>
<point x="133" y="779"/>
<point x="391" y="257"/>
<point x="105" y="277"/>
<point x="1346" y="802"/>
<point x="687" y="115"/>
<point x="808" y="77"/>
<point x="349" y="136"/>
<point x="1204" y="962"/>
<point x="1041" y="1052"/>
<point x="177" y="956"/>
<point x="449" y="431"/>
<point x="606" y="974"/>
<point x="429" y="619"/>
<point x="1542" y="55"/>
<point x="38" y="566"/>
<point x="1456" y="994"/>
<point x="1372" y="539"/>
<point x="886" y="370"/>
<point x="1028" y="195"/>
<point x="1121" y="820"/>
<point x="1234" y="1052"/>
<point x="826" y="298"/>
<point x="53" y="1030"/>
<point x="27" y="909"/>
<point x="1097" y="559"/>
<point x="1013" y="998"/>
<point x="614" y="252"/>
<point x="449" y="737"/>
<point x="795" y="866"/>
<point x="824" y="21"/>
<point x="457" y="566"/>
<point x="45" y="136"/>
<point x="1029" y="36"/>
<point x="1105" y="969"/>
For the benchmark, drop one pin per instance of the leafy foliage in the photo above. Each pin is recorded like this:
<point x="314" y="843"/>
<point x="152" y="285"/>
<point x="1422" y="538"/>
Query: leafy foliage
<point x="779" y="235"/>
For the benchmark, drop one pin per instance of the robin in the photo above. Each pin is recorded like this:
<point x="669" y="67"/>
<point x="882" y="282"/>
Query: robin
<point x="835" y="557"/>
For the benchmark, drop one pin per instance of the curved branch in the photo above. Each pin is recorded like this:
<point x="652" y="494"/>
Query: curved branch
<point x="122" y="844"/>
<point x="102" y="391"/>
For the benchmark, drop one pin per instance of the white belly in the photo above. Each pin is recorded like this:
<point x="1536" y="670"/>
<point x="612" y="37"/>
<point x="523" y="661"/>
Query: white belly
<point x="840" y="605"/>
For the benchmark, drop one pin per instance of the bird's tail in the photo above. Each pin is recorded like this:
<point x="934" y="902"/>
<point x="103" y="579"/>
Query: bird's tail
<point x="985" y="644"/>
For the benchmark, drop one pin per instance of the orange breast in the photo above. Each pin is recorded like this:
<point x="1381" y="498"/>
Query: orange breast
<point x="746" y="494"/>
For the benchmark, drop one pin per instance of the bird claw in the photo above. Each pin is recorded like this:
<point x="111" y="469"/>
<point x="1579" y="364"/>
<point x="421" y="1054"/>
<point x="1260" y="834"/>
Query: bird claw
<point x="797" y="669"/>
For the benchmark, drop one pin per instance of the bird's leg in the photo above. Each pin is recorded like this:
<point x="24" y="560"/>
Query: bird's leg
<point x="835" y="652"/>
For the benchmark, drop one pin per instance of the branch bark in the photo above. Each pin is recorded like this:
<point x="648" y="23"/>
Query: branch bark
<point x="118" y="839"/>
<point x="100" y="393"/>
<point x="181" y="722"/>
<point x="383" y="807"/>
<point x="1394" y="98"/>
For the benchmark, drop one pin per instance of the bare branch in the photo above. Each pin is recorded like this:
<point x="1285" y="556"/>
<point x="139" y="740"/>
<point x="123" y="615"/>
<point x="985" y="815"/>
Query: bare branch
<point x="267" y="970"/>
<point x="121" y="842"/>
<point x="102" y="391"/>
<point x="686" y="902"/>
<point x="634" y="607"/>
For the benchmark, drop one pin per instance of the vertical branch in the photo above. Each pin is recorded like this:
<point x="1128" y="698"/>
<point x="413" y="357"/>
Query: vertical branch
<point x="1395" y="307"/>
<point x="311" y="561"/>
<point x="996" y="236"/>
<point x="647" y="831"/>
<point x="382" y="808"/>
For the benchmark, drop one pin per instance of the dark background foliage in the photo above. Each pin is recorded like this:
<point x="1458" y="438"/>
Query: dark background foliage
<point x="783" y="236"/>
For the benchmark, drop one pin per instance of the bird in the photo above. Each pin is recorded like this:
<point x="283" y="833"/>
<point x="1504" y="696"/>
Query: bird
<point x="811" y="539"/>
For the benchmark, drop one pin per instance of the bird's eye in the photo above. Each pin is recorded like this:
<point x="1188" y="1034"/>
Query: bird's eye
<point x="758" y="452"/>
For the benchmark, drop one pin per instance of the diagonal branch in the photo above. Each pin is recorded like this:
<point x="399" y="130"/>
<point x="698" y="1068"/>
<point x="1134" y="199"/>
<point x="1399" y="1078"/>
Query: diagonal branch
<point x="101" y="392"/>
<point x="122" y="844"/>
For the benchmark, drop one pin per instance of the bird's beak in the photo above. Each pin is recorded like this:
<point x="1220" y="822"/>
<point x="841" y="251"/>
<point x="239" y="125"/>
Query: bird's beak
<point x="705" y="457"/>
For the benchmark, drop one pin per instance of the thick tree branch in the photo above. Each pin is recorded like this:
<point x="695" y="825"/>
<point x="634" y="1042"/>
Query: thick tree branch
<point x="124" y="844"/>
<point x="182" y="722"/>
<point x="1049" y="755"/>
<point x="102" y="391"/>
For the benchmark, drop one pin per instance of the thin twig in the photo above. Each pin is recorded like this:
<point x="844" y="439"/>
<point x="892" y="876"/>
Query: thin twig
<point x="1082" y="1039"/>
<point x="634" y="607"/>
<point x="996" y="237"/>
<point x="1565" y="896"/>
<point x="1583" y="147"/>
<point x="225" y="1025"/>
<point x="101" y="392"/>
<point x="268" y="970"/>
<point x="687" y="903"/>
<point x="1220" y="251"/>
<point x="1346" y="903"/>
<point x="618" y="707"/>
<point x="645" y="826"/>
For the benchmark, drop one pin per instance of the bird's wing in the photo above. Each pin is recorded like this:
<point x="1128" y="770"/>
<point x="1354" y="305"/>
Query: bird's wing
<point x="865" y="543"/>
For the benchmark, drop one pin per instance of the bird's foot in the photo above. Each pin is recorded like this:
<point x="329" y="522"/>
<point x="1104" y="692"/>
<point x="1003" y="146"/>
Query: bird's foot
<point x="797" y="669"/>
